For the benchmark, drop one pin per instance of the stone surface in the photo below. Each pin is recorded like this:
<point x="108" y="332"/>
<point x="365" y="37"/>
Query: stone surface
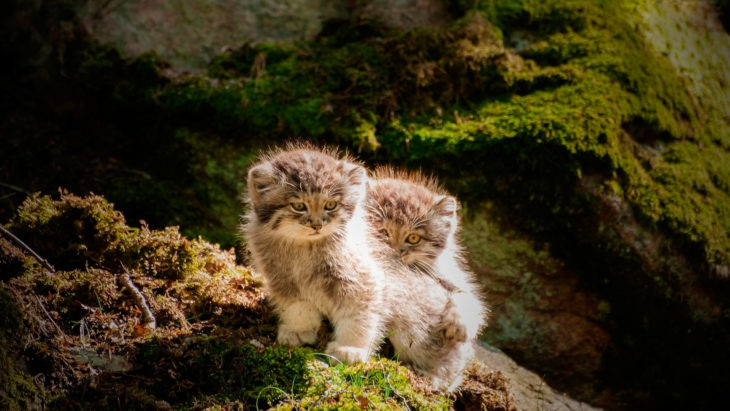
<point x="190" y="34"/>
<point x="405" y="14"/>
<point x="527" y="389"/>
<point x="540" y="313"/>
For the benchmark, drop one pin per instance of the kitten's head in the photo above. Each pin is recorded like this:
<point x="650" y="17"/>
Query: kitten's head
<point x="304" y="193"/>
<point x="412" y="215"/>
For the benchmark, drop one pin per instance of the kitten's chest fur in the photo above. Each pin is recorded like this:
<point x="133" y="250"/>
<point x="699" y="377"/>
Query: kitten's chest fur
<point x="323" y="272"/>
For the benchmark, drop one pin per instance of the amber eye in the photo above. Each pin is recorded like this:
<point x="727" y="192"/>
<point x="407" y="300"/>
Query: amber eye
<point x="330" y="205"/>
<point x="298" y="206"/>
<point x="413" y="239"/>
<point x="385" y="233"/>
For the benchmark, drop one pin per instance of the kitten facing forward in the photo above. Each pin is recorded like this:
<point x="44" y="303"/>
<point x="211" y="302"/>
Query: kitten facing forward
<point x="308" y="238"/>
<point x="418" y="223"/>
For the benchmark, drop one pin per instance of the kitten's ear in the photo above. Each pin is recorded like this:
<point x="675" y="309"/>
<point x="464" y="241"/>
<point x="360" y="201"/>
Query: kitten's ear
<point x="260" y="179"/>
<point x="446" y="206"/>
<point x="355" y="174"/>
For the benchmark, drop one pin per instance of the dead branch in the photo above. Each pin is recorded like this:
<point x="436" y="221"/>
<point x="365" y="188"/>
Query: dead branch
<point x="40" y="303"/>
<point x="149" y="319"/>
<point x="35" y="255"/>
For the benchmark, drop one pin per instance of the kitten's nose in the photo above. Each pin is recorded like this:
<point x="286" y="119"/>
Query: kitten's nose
<point x="403" y="251"/>
<point x="317" y="227"/>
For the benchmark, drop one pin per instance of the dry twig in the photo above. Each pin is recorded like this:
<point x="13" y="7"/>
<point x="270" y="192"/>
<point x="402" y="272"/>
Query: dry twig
<point x="35" y="255"/>
<point x="40" y="303"/>
<point x="149" y="319"/>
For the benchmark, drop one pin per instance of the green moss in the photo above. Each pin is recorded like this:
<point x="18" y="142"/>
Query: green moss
<point x="377" y="384"/>
<point x="74" y="232"/>
<point x="13" y="261"/>
<point x="342" y="87"/>
<point x="105" y="71"/>
<point x="16" y="385"/>
<point x="290" y="377"/>
<point x="230" y="371"/>
<point x="615" y="89"/>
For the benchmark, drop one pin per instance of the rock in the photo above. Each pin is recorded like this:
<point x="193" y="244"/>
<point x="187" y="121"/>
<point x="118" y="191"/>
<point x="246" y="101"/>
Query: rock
<point x="109" y="363"/>
<point x="405" y="14"/>
<point x="527" y="389"/>
<point x="540" y="313"/>
<point x="190" y="34"/>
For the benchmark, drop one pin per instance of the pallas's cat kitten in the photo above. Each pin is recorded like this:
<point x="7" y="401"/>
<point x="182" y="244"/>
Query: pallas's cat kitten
<point x="308" y="239"/>
<point x="418" y="222"/>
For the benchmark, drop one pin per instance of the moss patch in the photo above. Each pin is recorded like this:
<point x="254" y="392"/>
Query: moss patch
<point x="376" y="384"/>
<point x="228" y="368"/>
<point x="78" y="232"/>
<point x="17" y="389"/>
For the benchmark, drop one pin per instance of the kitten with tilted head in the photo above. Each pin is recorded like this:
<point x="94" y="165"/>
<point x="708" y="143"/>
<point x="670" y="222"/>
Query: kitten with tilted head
<point x="417" y="221"/>
<point x="309" y="240"/>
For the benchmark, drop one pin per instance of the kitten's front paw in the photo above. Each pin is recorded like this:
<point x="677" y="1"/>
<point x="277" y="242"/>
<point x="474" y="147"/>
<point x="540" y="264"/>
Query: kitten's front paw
<point x="440" y="384"/>
<point x="347" y="354"/>
<point x="454" y="328"/>
<point x="296" y="338"/>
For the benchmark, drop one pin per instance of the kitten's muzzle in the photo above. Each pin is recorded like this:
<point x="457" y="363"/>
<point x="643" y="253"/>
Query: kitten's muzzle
<point x="316" y="227"/>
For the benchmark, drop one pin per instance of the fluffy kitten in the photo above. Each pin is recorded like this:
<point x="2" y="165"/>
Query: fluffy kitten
<point x="308" y="238"/>
<point x="418" y="222"/>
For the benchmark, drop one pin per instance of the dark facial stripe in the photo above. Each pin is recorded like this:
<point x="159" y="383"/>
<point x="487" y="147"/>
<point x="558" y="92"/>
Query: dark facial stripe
<point x="264" y="212"/>
<point x="277" y="221"/>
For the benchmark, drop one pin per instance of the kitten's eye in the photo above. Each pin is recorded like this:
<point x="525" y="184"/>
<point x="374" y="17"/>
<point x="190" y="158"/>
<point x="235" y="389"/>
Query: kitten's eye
<point x="385" y="233"/>
<point x="330" y="205"/>
<point x="413" y="239"/>
<point x="298" y="206"/>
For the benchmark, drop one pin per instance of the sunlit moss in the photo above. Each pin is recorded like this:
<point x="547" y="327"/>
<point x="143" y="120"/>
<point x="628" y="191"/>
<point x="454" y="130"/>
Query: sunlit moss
<point x="75" y="232"/>
<point x="377" y="384"/>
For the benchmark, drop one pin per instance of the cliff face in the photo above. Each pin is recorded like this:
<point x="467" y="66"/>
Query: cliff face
<point x="589" y="143"/>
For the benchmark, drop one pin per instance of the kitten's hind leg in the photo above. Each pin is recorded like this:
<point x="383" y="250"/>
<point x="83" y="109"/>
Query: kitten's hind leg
<point x="300" y="321"/>
<point x="453" y="326"/>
